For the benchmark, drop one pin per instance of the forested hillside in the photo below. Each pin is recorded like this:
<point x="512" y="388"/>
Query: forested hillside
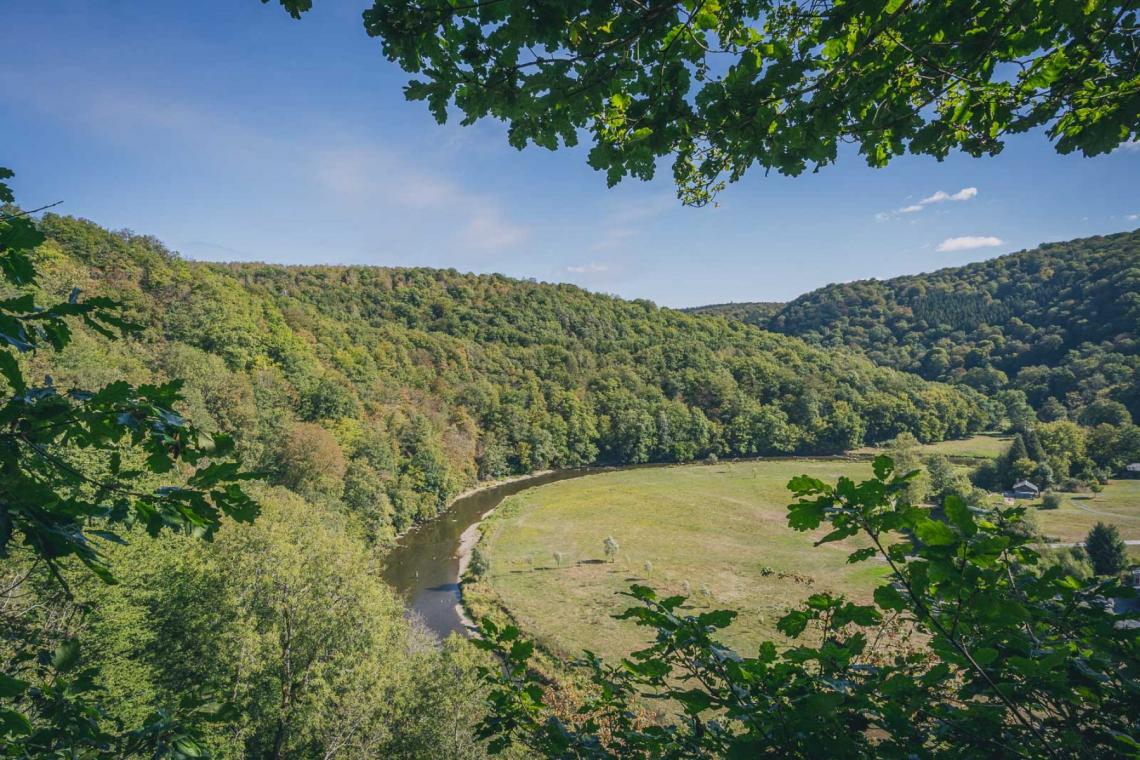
<point x="757" y="313"/>
<point x="385" y="391"/>
<point x="1058" y="322"/>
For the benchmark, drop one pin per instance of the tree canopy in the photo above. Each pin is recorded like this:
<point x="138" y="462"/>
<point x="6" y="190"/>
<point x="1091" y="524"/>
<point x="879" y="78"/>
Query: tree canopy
<point x="781" y="84"/>
<point x="385" y="390"/>
<point x="1054" y="322"/>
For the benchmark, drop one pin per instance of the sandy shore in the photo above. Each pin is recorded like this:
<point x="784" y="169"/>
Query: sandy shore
<point x="470" y="537"/>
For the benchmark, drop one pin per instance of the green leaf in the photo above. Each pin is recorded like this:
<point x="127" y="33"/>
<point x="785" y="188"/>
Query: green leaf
<point x="693" y="700"/>
<point x="888" y="598"/>
<point x="716" y="618"/>
<point x="935" y="533"/>
<point x="10" y="369"/>
<point x="66" y="656"/>
<point x="959" y="514"/>
<point x="803" y="485"/>
<point x="11" y="687"/>
<point x="793" y="623"/>
<point x="985" y="655"/>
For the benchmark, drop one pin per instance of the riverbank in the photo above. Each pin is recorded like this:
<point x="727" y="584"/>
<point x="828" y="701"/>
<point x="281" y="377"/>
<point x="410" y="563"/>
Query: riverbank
<point x="470" y="537"/>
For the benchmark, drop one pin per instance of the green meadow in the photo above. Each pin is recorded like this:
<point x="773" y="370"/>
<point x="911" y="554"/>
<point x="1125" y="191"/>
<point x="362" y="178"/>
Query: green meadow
<point x="720" y="528"/>
<point x="1118" y="504"/>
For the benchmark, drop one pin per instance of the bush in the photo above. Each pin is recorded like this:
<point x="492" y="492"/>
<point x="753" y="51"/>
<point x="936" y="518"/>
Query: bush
<point x="479" y="564"/>
<point x="1070" y="485"/>
<point x="1051" y="500"/>
<point x="611" y="548"/>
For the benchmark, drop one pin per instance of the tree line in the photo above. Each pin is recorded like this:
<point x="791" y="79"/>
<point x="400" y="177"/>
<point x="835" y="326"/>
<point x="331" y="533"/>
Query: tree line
<point x="384" y="391"/>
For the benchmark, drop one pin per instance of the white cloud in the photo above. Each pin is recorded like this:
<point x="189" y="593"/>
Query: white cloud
<point x="965" y="194"/>
<point x="968" y="242"/>
<point x="366" y="176"/>
<point x="941" y="196"/>
<point x="591" y="268"/>
<point x="1132" y="146"/>
<point x="360" y="174"/>
<point x="1132" y="217"/>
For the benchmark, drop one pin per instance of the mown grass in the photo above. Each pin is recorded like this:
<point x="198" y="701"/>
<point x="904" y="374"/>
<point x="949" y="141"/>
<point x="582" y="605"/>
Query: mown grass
<point x="1118" y="504"/>
<point x="719" y="527"/>
<point x="983" y="446"/>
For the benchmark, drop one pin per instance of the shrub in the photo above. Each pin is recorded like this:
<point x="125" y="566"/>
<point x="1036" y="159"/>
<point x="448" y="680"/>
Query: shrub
<point x="611" y="547"/>
<point x="479" y="564"/>
<point x="1052" y="500"/>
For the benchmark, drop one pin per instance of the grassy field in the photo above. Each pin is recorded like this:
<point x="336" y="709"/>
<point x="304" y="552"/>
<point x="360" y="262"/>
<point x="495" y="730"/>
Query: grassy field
<point x="1118" y="504"/>
<point x="984" y="446"/>
<point x="721" y="527"/>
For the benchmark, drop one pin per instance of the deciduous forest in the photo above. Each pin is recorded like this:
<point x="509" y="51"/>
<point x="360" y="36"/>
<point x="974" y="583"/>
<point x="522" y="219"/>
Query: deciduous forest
<point x="887" y="518"/>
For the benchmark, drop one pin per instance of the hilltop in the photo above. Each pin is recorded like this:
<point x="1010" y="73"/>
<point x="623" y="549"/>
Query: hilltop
<point x="387" y="390"/>
<point x="1057" y="322"/>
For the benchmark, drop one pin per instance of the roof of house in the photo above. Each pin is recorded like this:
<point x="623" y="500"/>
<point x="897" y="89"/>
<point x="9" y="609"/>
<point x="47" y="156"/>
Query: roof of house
<point x="1025" y="484"/>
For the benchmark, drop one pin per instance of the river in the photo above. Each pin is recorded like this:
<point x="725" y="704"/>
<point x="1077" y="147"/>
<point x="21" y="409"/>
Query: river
<point x="423" y="567"/>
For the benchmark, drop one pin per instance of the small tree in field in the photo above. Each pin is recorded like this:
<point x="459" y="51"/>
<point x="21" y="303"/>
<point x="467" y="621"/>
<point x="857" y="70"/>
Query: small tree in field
<point x="611" y="547"/>
<point x="1052" y="500"/>
<point x="648" y="566"/>
<point x="558" y="557"/>
<point x="686" y="588"/>
<point x="479" y="564"/>
<point x="1106" y="550"/>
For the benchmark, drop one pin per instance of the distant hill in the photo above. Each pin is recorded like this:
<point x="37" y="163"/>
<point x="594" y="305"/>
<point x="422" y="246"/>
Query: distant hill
<point x="757" y="313"/>
<point x="388" y="390"/>
<point x="1059" y="321"/>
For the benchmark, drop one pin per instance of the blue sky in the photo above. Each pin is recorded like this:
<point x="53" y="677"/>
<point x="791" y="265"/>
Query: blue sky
<point x="232" y="132"/>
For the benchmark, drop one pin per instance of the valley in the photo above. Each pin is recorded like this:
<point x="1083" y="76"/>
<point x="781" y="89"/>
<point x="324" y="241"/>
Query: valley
<point x="338" y="421"/>
<point x="365" y="400"/>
